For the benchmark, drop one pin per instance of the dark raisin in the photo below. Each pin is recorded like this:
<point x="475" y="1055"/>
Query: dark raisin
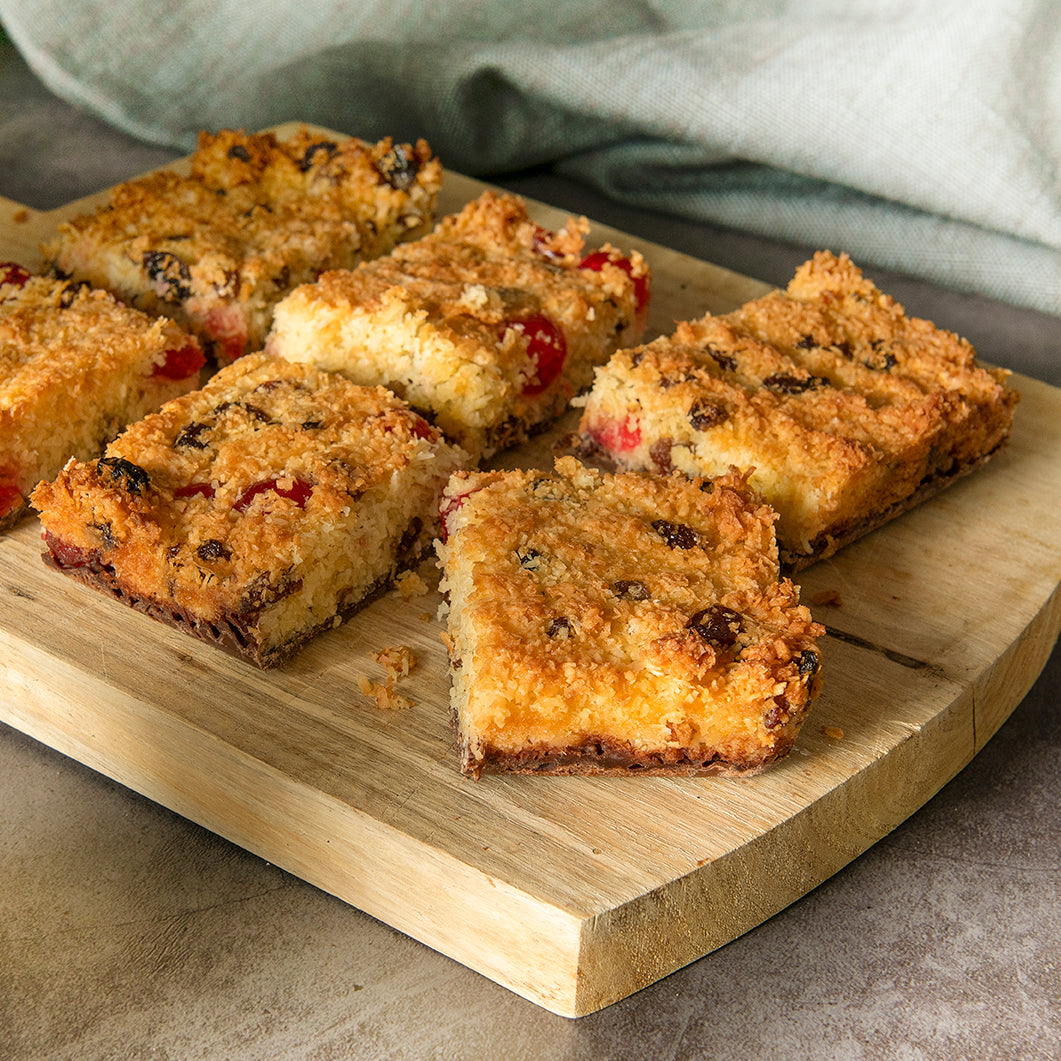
<point x="257" y="414"/>
<point x="777" y="714"/>
<point x="880" y="362"/>
<point x="106" y="533"/>
<point x="676" y="535"/>
<point x="806" y="343"/>
<point x="659" y="451"/>
<point x="212" y="549"/>
<point x="666" y="382"/>
<point x="529" y="559"/>
<point x="69" y="294"/>
<point x="791" y="384"/>
<point x="239" y="152"/>
<point x="282" y="279"/>
<point x="545" y="489"/>
<point x="398" y="168"/>
<point x="171" y="277"/>
<point x="560" y="627"/>
<point x="726" y="362"/>
<point x="189" y="436"/>
<point x="271" y="385"/>
<point x="809" y="662"/>
<point x="630" y="589"/>
<point x="844" y="347"/>
<point x="252" y="411"/>
<point x="228" y="286"/>
<point x="262" y="591"/>
<point x="410" y="538"/>
<point x="311" y="152"/>
<point x="717" y="625"/>
<point x="311" y="425"/>
<point x="705" y="414"/>
<point x="136" y="479"/>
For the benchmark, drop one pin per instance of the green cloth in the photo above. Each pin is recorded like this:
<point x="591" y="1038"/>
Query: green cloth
<point x="922" y="136"/>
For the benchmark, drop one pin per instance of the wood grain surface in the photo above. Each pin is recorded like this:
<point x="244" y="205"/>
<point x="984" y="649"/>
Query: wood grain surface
<point x="572" y="892"/>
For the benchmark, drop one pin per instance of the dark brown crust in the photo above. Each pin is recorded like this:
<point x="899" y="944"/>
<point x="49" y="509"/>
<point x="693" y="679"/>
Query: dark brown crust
<point x="605" y="756"/>
<point x="232" y="636"/>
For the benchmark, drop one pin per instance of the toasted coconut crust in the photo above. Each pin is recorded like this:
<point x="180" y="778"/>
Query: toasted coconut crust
<point x="845" y="411"/>
<point x="629" y="623"/>
<point x="76" y="366"/>
<point x="256" y="511"/>
<point x="489" y="325"/>
<point x="218" y="247"/>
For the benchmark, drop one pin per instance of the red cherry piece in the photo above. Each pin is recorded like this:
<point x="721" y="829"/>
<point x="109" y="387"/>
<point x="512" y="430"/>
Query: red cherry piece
<point x="596" y="261"/>
<point x="180" y="364"/>
<point x="232" y="347"/>
<point x="226" y="328"/>
<point x="449" y="506"/>
<point x="299" y="491"/>
<point x="546" y="347"/>
<point x="542" y="243"/>
<point x="10" y="498"/>
<point x="13" y="273"/>
<point x="193" y="489"/>
<point x="10" y="495"/>
<point x="617" y="436"/>
<point x="66" y="555"/>
<point x="422" y="429"/>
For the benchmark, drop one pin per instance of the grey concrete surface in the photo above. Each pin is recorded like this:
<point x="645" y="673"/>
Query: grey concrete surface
<point x="127" y="932"/>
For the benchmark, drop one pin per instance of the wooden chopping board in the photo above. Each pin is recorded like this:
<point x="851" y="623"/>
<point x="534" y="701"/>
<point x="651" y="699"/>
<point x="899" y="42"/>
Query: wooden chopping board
<point x="572" y="892"/>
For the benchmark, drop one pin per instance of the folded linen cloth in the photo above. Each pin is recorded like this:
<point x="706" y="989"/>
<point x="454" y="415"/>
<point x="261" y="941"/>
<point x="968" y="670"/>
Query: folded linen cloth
<point x="922" y="136"/>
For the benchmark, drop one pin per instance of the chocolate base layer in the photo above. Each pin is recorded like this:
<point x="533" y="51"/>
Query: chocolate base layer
<point x="606" y="756"/>
<point x="233" y="634"/>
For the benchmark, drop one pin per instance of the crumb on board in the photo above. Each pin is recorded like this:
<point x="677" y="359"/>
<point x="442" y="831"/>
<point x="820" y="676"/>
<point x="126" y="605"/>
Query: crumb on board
<point x="833" y="732"/>
<point x="409" y="584"/>
<point x="826" y="598"/>
<point x="387" y="699"/>
<point x="397" y="660"/>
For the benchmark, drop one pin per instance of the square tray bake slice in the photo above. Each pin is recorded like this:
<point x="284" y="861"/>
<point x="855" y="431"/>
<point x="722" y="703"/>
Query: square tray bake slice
<point x="845" y="411"/>
<point x="76" y="366"/>
<point x="620" y="624"/>
<point x="488" y="325"/>
<point x="254" y="512"/>
<point x="216" y="248"/>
